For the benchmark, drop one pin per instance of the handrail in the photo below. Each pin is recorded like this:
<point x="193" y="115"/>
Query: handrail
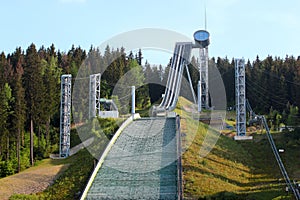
<point x="184" y="59"/>
<point x="170" y="77"/>
<point x="181" y="57"/>
<point x="176" y="69"/>
<point x="279" y="161"/>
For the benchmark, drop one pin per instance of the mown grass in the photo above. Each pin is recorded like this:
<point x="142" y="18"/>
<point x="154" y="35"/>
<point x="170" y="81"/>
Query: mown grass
<point x="232" y="169"/>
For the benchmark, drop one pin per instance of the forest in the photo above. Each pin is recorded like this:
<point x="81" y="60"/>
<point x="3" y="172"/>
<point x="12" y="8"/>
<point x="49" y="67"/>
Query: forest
<point x="30" y="93"/>
<point x="272" y="87"/>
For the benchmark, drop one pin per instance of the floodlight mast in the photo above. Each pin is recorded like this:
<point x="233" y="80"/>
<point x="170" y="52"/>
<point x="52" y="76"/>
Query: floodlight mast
<point x="202" y="41"/>
<point x="240" y="96"/>
<point x="65" y="115"/>
<point x="94" y="96"/>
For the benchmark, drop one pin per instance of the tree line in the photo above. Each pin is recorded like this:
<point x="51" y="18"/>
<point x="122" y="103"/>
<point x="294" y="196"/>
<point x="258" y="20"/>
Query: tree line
<point x="29" y="103"/>
<point x="272" y="87"/>
<point x="30" y="92"/>
<point x="30" y="95"/>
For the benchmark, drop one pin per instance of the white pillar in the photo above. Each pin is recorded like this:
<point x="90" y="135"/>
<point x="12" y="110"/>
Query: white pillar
<point x="133" y="100"/>
<point x="199" y="96"/>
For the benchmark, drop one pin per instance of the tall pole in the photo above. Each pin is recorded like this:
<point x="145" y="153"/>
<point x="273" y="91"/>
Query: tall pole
<point x="201" y="38"/>
<point x="205" y="17"/>
<point x="199" y="96"/>
<point x="133" y="100"/>
<point x="203" y="71"/>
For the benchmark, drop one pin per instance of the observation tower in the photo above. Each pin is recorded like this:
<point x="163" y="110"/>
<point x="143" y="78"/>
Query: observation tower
<point x="201" y="38"/>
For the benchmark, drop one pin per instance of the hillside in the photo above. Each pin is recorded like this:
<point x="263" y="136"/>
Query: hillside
<point x="75" y="171"/>
<point x="32" y="180"/>
<point x="61" y="178"/>
<point x="234" y="170"/>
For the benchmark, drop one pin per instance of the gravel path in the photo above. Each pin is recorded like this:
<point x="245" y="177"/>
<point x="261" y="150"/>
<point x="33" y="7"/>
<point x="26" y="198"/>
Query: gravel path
<point x="32" y="180"/>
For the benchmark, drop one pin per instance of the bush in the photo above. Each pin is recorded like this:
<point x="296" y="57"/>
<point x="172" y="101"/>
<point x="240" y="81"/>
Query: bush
<point x="109" y="126"/>
<point x="24" y="158"/>
<point x="6" y="168"/>
<point x="295" y="134"/>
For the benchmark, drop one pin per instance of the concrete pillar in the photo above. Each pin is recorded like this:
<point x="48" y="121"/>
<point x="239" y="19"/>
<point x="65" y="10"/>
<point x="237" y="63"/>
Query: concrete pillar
<point x="199" y="96"/>
<point x="132" y="100"/>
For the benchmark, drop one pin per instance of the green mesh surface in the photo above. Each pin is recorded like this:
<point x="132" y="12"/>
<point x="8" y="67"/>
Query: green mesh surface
<point x="142" y="164"/>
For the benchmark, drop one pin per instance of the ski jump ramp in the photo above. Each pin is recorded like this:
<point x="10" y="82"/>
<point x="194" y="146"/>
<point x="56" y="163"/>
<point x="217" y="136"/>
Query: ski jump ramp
<point x="141" y="164"/>
<point x="143" y="160"/>
<point x="180" y="59"/>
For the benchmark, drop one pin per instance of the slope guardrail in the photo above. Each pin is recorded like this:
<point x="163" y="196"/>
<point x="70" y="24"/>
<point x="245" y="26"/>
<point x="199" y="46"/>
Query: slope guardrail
<point x="279" y="161"/>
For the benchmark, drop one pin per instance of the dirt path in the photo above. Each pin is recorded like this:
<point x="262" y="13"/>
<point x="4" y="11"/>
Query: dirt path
<point x="32" y="180"/>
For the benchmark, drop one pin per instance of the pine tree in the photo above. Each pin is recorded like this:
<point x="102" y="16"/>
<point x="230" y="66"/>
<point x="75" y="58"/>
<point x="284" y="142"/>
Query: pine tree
<point x="19" y="116"/>
<point x="5" y="104"/>
<point x="52" y="87"/>
<point x="6" y="101"/>
<point x="139" y="57"/>
<point x="34" y="93"/>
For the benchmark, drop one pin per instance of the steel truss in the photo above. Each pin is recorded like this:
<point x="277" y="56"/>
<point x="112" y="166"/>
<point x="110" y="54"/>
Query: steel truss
<point x="240" y="96"/>
<point x="94" y="95"/>
<point x="203" y="70"/>
<point x="65" y="115"/>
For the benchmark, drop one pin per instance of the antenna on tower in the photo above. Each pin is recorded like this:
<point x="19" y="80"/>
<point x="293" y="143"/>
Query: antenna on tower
<point x="205" y="22"/>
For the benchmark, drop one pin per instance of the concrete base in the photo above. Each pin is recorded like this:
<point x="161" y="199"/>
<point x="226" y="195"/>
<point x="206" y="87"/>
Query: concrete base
<point x="243" y="137"/>
<point x="171" y="114"/>
<point x="109" y="114"/>
<point x="161" y="114"/>
<point x="166" y="114"/>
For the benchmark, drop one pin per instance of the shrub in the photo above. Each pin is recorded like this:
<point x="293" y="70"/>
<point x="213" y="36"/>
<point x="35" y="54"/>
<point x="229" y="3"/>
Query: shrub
<point x="6" y="168"/>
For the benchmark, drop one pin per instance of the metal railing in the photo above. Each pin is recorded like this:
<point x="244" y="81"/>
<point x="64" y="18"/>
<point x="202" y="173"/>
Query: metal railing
<point x="279" y="161"/>
<point x="180" y="59"/>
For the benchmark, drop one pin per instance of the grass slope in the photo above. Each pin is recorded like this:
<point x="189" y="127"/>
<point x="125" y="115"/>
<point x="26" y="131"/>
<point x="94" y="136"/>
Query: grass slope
<point x="78" y="168"/>
<point x="70" y="183"/>
<point x="232" y="169"/>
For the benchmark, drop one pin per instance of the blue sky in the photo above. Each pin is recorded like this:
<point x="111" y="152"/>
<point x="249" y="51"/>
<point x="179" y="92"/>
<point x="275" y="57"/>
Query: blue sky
<point x="238" y="28"/>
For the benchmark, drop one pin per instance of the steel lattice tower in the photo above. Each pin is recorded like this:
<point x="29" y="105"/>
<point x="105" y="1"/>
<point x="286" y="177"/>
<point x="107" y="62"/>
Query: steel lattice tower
<point x="204" y="77"/>
<point x="240" y="94"/>
<point x="65" y="115"/>
<point x="201" y="38"/>
<point x="94" y="97"/>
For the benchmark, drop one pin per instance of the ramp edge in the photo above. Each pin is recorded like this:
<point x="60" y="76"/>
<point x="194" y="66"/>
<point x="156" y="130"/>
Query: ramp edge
<point x="106" y="151"/>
